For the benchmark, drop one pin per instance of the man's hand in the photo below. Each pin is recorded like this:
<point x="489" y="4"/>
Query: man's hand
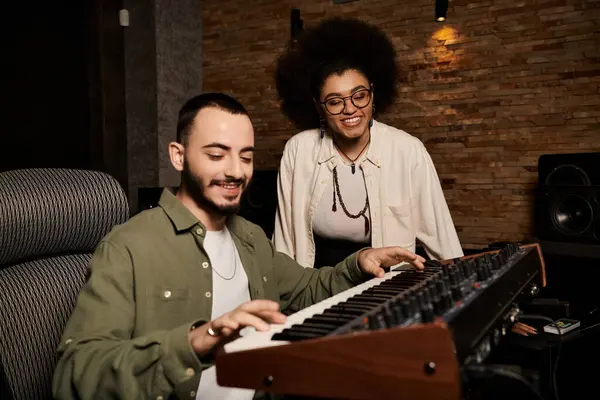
<point x="372" y="261"/>
<point x="523" y="329"/>
<point x="256" y="313"/>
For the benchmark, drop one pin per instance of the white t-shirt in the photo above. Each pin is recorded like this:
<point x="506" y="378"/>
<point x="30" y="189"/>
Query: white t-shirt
<point x="230" y="289"/>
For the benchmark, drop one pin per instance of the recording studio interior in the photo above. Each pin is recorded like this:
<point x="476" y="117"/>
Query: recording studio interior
<point x="501" y="98"/>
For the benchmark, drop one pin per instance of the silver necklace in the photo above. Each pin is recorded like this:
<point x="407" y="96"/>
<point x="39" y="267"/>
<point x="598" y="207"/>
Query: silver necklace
<point x="234" y="269"/>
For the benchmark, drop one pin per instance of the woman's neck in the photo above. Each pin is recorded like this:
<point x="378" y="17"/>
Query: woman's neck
<point x="352" y="148"/>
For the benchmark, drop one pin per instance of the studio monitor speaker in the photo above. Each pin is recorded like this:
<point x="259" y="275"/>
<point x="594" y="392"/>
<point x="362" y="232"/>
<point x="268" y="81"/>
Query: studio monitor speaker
<point x="582" y="169"/>
<point x="567" y="206"/>
<point x="568" y="214"/>
<point x="259" y="202"/>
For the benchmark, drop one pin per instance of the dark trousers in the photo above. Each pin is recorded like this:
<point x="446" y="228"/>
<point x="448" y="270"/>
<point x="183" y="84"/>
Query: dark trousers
<point x="329" y="252"/>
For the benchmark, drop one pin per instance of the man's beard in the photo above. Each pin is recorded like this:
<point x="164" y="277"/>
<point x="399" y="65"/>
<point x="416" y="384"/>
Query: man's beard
<point x="196" y="188"/>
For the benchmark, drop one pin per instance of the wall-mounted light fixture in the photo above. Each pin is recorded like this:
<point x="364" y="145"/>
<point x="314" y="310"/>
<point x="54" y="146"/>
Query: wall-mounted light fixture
<point x="296" y="23"/>
<point x="441" y="7"/>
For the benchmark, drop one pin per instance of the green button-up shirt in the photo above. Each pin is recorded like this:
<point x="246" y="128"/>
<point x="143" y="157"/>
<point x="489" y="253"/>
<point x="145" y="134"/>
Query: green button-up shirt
<point x="150" y="282"/>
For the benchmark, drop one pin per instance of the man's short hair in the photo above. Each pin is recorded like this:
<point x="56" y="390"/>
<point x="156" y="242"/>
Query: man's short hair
<point x="192" y="107"/>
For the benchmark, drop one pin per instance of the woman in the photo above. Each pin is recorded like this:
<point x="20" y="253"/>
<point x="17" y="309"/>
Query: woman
<point x="347" y="181"/>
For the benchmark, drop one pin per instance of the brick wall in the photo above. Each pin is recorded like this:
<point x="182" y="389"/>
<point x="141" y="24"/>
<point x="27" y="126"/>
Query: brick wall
<point x="489" y="91"/>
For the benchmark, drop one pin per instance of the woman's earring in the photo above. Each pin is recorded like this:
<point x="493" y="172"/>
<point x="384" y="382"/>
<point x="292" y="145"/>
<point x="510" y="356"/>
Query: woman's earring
<point x="371" y="121"/>
<point x="322" y="121"/>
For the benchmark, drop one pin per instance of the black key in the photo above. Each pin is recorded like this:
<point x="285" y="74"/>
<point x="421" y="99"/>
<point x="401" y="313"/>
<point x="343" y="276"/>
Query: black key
<point x="330" y="321"/>
<point x="345" y="312"/>
<point x="319" y="325"/>
<point x="293" y="336"/>
<point x="309" y="329"/>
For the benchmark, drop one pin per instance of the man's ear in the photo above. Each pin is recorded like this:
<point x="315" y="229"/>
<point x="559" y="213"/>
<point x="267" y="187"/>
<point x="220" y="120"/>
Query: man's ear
<point x="177" y="155"/>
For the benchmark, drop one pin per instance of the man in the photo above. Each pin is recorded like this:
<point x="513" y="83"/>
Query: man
<point x="174" y="282"/>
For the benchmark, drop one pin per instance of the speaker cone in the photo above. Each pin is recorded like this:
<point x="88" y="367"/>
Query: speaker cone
<point x="573" y="215"/>
<point x="568" y="175"/>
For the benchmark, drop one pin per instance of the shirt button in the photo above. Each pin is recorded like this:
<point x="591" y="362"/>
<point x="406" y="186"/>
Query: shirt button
<point x="264" y="278"/>
<point x="204" y="264"/>
<point x="192" y="394"/>
<point x="189" y="372"/>
<point x="167" y="294"/>
<point x="68" y="341"/>
<point x="199" y="231"/>
<point x="208" y="294"/>
<point x="160" y="398"/>
<point x="323" y="182"/>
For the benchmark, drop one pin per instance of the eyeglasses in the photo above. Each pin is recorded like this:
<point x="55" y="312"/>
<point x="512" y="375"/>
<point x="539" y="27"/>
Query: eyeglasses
<point x="336" y="105"/>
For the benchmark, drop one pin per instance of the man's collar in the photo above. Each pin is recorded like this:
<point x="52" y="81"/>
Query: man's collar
<point x="183" y="219"/>
<point x="180" y="216"/>
<point x="327" y="150"/>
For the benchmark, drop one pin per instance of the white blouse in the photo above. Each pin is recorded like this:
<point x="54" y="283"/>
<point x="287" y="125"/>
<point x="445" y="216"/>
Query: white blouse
<point x="405" y="195"/>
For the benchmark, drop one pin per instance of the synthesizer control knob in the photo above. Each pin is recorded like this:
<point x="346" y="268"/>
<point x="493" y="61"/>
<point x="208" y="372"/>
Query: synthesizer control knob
<point x="496" y="263"/>
<point x="416" y="308"/>
<point x="510" y="250"/>
<point x="447" y="300"/>
<point x="435" y="297"/>
<point x="426" y="306"/>
<point x="377" y="321"/>
<point x="479" y="261"/>
<point x="406" y="307"/>
<point x="459" y="273"/>
<point x="489" y="269"/>
<point x="398" y="312"/>
<point x="373" y="323"/>
<point x="444" y="293"/>
<point x="453" y="278"/>
<point x="471" y="267"/>
<point x="439" y="303"/>
<point x="455" y="286"/>
<point x="446" y="270"/>
<point x="515" y="248"/>
<point x="389" y="317"/>
<point x="481" y="272"/>
<point x="464" y="267"/>
<point x="441" y="287"/>
<point x="503" y="258"/>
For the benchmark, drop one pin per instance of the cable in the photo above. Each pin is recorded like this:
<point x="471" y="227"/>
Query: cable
<point x="488" y="371"/>
<point x="588" y="328"/>
<point x="555" y="367"/>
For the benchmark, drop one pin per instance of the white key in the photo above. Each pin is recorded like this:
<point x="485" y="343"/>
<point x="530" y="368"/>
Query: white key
<point x="251" y="339"/>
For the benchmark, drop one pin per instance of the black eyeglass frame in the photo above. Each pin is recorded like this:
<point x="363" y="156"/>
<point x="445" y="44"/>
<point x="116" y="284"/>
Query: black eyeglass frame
<point x="351" y="97"/>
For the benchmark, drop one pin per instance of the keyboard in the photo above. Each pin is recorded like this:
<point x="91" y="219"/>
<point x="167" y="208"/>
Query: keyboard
<point x="407" y="332"/>
<point x="252" y="339"/>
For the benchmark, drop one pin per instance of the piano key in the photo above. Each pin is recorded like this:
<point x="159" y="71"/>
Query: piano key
<point x="252" y="339"/>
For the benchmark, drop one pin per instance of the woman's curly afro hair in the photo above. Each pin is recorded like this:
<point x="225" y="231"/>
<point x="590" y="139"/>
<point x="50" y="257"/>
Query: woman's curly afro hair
<point x="334" y="46"/>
